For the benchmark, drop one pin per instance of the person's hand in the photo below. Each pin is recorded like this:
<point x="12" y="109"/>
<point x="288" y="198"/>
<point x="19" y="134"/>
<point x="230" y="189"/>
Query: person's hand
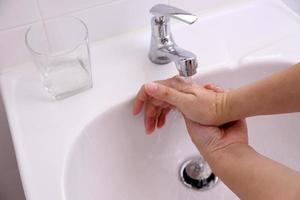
<point x="210" y="139"/>
<point x="204" y="105"/>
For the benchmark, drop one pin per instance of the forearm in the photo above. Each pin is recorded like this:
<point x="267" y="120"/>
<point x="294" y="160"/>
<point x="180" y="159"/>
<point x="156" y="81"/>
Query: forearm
<point x="253" y="176"/>
<point x="279" y="93"/>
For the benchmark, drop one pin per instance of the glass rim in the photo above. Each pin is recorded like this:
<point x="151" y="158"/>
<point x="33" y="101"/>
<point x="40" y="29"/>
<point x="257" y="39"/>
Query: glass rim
<point x="85" y="38"/>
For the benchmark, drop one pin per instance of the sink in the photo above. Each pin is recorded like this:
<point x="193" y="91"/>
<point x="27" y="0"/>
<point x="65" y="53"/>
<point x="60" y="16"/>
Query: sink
<point x="89" y="147"/>
<point x="113" y="158"/>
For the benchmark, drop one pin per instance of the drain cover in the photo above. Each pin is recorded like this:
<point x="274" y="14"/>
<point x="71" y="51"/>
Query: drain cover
<point x="195" y="173"/>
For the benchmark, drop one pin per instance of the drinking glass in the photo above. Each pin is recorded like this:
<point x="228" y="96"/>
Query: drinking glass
<point x="60" y="50"/>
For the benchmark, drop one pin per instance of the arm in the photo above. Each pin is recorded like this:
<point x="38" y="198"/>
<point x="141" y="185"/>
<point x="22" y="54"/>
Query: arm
<point x="276" y="94"/>
<point x="248" y="174"/>
<point x="253" y="176"/>
<point x="280" y="93"/>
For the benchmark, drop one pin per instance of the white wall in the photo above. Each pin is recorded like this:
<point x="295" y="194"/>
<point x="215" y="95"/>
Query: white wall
<point x="103" y="17"/>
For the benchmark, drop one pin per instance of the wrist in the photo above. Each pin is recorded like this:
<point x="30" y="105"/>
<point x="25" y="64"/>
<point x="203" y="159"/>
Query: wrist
<point x="230" y="107"/>
<point x="223" y="108"/>
<point x="222" y="159"/>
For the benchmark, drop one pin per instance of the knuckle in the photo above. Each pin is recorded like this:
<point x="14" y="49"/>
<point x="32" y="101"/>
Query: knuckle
<point x="178" y="80"/>
<point x="166" y="92"/>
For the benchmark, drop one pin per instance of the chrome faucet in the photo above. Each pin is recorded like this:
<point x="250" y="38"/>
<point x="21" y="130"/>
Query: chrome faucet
<point x="163" y="49"/>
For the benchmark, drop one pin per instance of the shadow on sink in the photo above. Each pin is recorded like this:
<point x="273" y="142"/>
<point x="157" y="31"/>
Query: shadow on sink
<point x="114" y="159"/>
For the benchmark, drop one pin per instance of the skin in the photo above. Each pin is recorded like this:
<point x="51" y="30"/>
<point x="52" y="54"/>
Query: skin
<point x="161" y="96"/>
<point x="213" y="122"/>
<point x="247" y="173"/>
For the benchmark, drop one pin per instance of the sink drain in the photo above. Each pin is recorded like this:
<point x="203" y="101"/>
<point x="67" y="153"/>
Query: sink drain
<point x="196" y="173"/>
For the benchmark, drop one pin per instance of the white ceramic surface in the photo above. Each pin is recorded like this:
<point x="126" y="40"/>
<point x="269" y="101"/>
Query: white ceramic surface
<point x="47" y="134"/>
<point x="293" y="4"/>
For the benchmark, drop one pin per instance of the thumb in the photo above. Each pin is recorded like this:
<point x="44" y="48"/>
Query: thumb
<point x="202" y="136"/>
<point x="167" y="94"/>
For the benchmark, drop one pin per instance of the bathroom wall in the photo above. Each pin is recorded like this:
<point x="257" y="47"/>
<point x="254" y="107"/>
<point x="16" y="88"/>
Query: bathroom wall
<point x="104" y="19"/>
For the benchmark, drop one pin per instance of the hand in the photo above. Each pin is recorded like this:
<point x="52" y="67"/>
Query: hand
<point x="199" y="104"/>
<point x="210" y="139"/>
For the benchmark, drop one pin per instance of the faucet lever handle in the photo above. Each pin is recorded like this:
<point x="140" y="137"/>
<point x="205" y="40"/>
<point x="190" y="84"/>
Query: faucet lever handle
<point x="163" y="10"/>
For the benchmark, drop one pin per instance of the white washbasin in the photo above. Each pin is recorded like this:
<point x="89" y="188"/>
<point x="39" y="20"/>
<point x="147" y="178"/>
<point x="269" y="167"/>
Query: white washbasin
<point x="90" y="147"/>
<point x="114" y="159"/>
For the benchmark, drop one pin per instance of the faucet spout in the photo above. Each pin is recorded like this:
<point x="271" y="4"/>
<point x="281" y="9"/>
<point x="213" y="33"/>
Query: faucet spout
<point x="185" y="61"/>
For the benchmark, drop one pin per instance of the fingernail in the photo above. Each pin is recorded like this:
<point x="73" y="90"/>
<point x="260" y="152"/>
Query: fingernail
<point x="133" y="112"/>
<point x="151" y="87"/>
<point x="148" y="132"/>
<point x="219" y="89"/>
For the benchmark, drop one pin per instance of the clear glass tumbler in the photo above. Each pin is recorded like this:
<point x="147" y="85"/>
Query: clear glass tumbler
<point x="60" y="49"/>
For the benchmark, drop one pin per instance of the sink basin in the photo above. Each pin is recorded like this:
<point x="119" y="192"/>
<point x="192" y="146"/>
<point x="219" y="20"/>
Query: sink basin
<point x="114" y="159"/>
<point x="90" y="147"/>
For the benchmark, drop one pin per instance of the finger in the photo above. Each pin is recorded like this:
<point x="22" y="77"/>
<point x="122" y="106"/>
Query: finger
<point x="180" y="83"/>
<point x="238" y="125"/>
<point x="177" y="82"/>
<point x="167" y="94"/>
<point x="159" y="103"/>
<point x="215" y="88"/>
<point x="139" y="101"/>
<point x="150" y="118"/>
<point x="209" y="86"/>
<point x="237" y="130"/>
<point x="235" y="126"/>
<point x="187" y="121"/>
<point x="162" y="117"/>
